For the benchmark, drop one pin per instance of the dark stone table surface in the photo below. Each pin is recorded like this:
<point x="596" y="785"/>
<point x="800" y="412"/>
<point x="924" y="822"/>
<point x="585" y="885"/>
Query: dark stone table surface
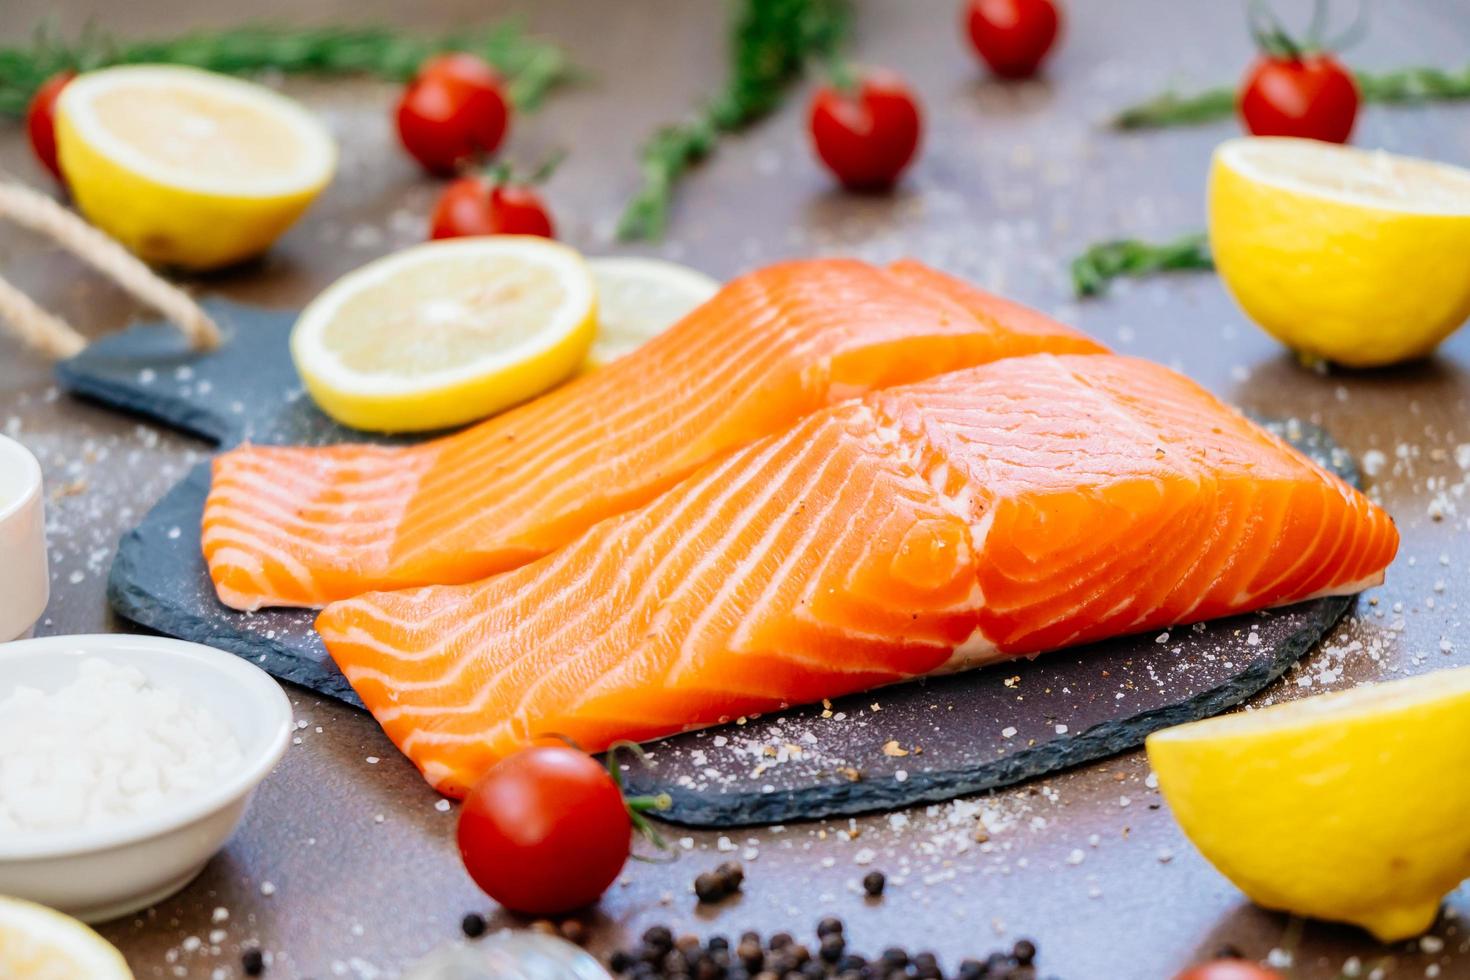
<point x="345" y="867"/>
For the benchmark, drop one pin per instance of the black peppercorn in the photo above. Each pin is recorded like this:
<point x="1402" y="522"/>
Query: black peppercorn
<point x="780" y="962"/>
<point x="733" y="873"/>
<point x="472" y="925"/>
<point x="252" y="962"/>
<point x="710" y="887"/>
<point x="662" y="956"/>
<point x="873" y="883"/>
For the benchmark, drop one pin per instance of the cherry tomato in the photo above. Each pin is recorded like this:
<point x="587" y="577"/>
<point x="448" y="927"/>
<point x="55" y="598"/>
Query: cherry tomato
<point x="471" y="206"/>
<point x="868" y="136"/>
<point x="1229" y="969"/>
<point x="1312" y="96"/>
<point x="41" y="120"/>
<point x="452" y="112"/>
<point x="1013" y="36"/>
<point x="546" y="831"/>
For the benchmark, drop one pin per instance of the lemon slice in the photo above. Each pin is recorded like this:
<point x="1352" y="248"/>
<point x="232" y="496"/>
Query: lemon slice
<point x="638" y="299"/>
<point x="1348" y="806"/>
<point x="187" y="167"/>
<point x="1353" y="256"/>
<point x="37" y="943"/>
<point x="445" y="333"/>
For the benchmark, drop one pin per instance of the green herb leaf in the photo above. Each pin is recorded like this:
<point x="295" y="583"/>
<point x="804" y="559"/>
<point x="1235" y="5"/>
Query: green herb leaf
<point x="532" y="67"/>
<point x="772" y="44"/>
<point x="1407" y="85"/>
<point x="638" y="806"/>
<point x="1173" y="109"/>
<point x="1415" y="85"/>
<point x="1100" y="264"/>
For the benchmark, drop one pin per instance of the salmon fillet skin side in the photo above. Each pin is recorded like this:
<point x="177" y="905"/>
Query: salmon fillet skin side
<point x="302" y="526"/>
<point x="1001" y="511"/>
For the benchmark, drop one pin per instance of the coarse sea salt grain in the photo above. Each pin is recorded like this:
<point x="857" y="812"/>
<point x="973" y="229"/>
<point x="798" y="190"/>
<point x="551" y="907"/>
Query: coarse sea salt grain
<point x="107" y="746"/>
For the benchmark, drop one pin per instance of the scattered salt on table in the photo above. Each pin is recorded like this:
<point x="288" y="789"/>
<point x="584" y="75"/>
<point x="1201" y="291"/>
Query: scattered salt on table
<point x="105" y="747"/>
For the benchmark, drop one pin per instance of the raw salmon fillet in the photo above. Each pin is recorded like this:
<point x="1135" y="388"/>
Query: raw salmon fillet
<point x="1030" y="504"/>
<point x="304" y="526"/>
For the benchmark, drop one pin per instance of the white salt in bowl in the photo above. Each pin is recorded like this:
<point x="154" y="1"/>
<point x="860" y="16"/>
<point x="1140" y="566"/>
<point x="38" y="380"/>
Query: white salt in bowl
<point x="24" y="582"/>
<point x="101" y="873"/>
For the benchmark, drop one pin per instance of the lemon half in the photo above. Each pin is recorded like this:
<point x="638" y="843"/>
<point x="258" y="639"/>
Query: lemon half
<point x="37" y="943"/>
<point x="1350" y="806"/>
<point x="447" y="332"/>
<point x="638" y="299"/>
<point x="187" y="167"/>
<point x="1358" y="257"/>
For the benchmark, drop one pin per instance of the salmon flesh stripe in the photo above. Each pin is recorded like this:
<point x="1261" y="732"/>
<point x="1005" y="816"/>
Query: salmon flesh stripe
<point x="303" y="526"/>
<point x="995" y="512"/>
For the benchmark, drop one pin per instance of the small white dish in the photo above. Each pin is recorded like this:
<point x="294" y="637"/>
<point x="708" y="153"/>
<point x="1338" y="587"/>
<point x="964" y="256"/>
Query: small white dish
<point x="25" y="584"/>
<point x="101" y="873"/>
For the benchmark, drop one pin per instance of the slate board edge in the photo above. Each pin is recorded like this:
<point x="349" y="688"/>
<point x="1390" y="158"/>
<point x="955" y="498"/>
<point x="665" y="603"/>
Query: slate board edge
<point x="176" y="413"/>
<point x="694" y="809"/>
<point x="139" y="607"/>
<point x="137" y="604"/>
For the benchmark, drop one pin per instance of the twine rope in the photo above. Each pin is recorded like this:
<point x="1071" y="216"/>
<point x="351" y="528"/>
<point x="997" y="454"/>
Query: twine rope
<point x="52" y="335"/>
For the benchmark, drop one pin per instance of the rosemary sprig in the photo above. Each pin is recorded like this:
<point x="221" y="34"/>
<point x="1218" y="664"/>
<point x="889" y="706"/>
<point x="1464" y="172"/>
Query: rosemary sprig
<point x="772" y="43"/>
<point x="1096" y="267"/>
<point x="1407" y="85"/>
<point x="1173" y="109"/>
<point x="1415" y="85"/>
<point x="532" y="66"/>
<point x="638" y="806"/>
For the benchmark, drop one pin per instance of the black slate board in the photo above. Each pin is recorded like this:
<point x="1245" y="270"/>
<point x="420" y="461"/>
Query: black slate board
<point x="976" y="731"/>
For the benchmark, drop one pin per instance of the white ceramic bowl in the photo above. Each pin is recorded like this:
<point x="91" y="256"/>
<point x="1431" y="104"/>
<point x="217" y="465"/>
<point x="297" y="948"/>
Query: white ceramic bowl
<point x="25" y="584"/>
<point x="101" y="873"/>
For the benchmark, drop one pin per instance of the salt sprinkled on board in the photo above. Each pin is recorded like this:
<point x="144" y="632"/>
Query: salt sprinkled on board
<point x="106" y="746"/>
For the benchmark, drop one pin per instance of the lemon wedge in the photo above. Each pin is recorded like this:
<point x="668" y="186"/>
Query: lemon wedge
<point x="638" y="299"/>
<point x="1349" y="806"/>
<point x="186" y="167"/>
<point x="1358" y="257"/>
<point x="37" y="943"/>
<point x="447" y="332"/>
